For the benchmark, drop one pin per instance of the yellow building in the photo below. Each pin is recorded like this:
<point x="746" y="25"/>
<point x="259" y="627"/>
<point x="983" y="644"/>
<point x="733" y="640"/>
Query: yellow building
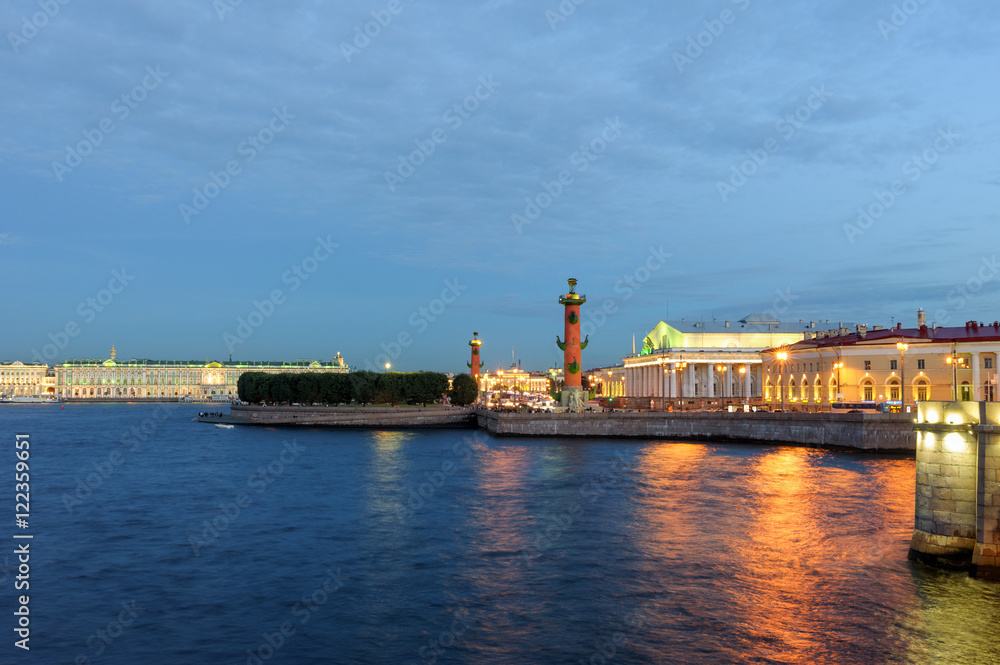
<point x="515" y="379"/>
<point x="705" y="359"/>
<point x="20" y="380"/>
<point x="607" y="381"/>
<point x="884" y="365"/>
<point x="113" y="378"/>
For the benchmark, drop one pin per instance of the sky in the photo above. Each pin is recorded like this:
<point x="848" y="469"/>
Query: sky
<point x="273" y="181"/>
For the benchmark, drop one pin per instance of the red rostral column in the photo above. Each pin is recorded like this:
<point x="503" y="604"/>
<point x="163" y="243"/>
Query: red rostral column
<point x="572" y="392"/>
<point x="475" y="365"/>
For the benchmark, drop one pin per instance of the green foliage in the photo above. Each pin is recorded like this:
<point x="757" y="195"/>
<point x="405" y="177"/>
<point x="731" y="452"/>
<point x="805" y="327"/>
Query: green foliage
<point x="463" y="390"/>
<point x="363" y="387"/>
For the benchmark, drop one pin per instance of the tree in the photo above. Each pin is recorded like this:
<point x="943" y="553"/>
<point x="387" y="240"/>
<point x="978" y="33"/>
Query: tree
<point x="464" y="390"/>
<point x="363" y="386"/>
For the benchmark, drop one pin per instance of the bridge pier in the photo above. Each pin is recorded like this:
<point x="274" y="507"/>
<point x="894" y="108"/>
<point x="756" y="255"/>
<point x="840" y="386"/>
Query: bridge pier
<point x="957" y="507"/>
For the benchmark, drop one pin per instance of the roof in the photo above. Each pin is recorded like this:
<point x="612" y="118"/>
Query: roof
<point x="753" y="323"/>
<point x="971" y="332"/>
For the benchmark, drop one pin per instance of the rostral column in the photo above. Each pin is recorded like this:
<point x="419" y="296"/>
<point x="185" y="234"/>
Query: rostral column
<point x="475" y="365"/>
<point x="573" y="395"/>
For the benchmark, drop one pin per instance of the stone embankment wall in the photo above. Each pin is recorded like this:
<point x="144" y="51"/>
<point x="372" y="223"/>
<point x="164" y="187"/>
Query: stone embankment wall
<point x="356" y="416"/>
<point x="957" y="507"/>
<point x="874" y="432"/>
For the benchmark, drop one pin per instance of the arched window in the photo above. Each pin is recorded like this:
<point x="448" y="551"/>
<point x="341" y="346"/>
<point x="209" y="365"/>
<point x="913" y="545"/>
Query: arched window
<point x="868" y="390"/>
<point x="921" y="390"/>
<point x="966" y="393"/>
<point x="767" y="389"/>
<point x="833" y="390"/>
<point x="791" y="389"/>
<point x="805" y="390"/>
<point x="892" y="387"/>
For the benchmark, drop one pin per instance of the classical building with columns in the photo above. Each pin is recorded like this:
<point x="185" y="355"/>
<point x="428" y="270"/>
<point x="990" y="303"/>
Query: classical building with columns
<point x="20" y="380"/>
<point x="925" y="363"/>
<point x="694" y="363"/>
<point x="169" y="379"/>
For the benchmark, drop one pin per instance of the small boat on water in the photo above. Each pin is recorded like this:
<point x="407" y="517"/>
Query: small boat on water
<point x="224" y="426"/>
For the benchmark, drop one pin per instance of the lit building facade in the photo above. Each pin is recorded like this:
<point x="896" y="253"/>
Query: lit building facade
<point x="515" y="379"/>
<point x="168" y="379"/>
<point x="885" y="365"/>
<point x="20" y="380"/>
<point x="607" y="381"/>
<point x="705" y="359"/>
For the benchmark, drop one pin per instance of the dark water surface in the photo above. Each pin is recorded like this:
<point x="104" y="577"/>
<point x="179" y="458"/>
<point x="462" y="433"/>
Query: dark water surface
<point x="200" y="545"/>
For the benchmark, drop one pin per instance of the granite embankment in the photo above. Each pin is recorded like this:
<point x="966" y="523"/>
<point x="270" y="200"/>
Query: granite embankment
<point x="402" y="417"/>
<point x="873" y="432"/>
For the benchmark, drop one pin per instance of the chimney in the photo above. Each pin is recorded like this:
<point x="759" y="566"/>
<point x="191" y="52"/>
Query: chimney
<point x="861" y="330"/>
<point x="812" y="324"/>
<point x="727" y="324"/>
<point x="921" y="318"/>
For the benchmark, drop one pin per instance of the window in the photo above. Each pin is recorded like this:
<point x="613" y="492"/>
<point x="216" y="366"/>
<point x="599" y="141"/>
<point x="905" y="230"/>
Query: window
<point x="894" y="392"/>
<point x="868" y="390"/>
<point x="893" y="364"/>
<point x="921" y="391"/>
<point x="988" y="363"/>
<point x="920" y="363"/>
<point x="966" y="393"/>
<point x="868" y="364"/>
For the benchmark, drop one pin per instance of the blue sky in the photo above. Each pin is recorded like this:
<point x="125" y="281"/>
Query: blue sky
<point x="362" y="174"/>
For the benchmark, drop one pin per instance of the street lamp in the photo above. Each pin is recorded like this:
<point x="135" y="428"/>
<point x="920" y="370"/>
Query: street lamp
<point x="387" y="366"/>
<point x="679" y="367"/>
<point x="782" y="356"/>
<point x="663" y="393"/>
<point x="837" y="366"/>
<point x="722" y="381"/>
<point x="902" y="375"/>
<point x="743" y="374"/>
<point x="954" y="361"/>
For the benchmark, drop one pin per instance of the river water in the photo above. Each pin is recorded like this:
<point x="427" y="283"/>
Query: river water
<point x="160" y="540"/>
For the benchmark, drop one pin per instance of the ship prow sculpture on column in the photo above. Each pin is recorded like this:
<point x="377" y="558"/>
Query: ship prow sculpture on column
<point x="475" y="364"/>
<point x="573" y="396"/>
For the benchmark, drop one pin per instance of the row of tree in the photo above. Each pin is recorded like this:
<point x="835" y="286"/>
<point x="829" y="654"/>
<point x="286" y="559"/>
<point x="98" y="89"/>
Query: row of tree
<point x="362" y="387"/>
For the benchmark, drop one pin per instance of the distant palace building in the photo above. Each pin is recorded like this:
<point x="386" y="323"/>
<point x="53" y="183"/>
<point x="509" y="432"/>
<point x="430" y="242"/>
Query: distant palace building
<point x="861" y="364"/>
<point x="702" y="359"/>
<point x="144" y="378"/>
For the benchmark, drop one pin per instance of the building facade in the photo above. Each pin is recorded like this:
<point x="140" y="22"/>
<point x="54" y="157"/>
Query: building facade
<point x="514" y="379"/>
<point x="20" y="380"/>
<point x="168" y="379"/>
<point x="885" y="365"/>
<point x="705" y="359"/>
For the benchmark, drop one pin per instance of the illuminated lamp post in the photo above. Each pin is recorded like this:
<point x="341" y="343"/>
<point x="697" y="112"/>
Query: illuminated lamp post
<point x="722" y="381"/>
<point x="572" y="393"/>
<point x="679" y="367"/>
<point x="782" y="356"/>
<point x="837" y="366"/>
<point x="743" y="373"/>
<point x="954" y="361"/>
<point x="902" y="375"/>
